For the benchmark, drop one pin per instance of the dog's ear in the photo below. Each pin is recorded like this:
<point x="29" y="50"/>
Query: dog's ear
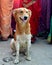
<point x="30" y="13"/>
<point x="14" y="12"/>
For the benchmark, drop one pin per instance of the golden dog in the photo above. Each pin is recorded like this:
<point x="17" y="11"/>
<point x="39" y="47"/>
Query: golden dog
<point x="22" y="37"/>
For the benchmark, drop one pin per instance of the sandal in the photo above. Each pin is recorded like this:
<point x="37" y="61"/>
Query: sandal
<point x="33" y="40"/>
<point x="3" y="39"/>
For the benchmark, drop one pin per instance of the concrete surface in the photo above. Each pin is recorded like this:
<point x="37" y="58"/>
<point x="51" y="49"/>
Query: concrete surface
<point x="41" y="53"/>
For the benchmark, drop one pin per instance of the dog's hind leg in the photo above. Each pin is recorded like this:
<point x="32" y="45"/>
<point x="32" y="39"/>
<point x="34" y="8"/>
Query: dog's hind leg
<point x="12" y="45"/>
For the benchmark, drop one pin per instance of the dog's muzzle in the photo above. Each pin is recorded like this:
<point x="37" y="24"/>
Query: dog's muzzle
<point x="25" y="17"/>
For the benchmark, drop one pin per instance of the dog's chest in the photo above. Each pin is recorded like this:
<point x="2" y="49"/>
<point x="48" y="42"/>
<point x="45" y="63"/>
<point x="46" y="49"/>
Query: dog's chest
<point x="22" y="38"/>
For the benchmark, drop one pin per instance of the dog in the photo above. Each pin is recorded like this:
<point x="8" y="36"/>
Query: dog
<point x="22" y="36"/>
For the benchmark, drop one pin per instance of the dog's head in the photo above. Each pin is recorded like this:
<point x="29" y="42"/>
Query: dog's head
<point x="22" y="15"/>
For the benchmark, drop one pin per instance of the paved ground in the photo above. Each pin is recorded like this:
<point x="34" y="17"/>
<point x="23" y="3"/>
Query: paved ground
<point x="41" y="53"/>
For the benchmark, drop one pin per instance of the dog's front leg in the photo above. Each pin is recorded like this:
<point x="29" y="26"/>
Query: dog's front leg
<point x="17" y="52"/>
<point x="28" y="57"/>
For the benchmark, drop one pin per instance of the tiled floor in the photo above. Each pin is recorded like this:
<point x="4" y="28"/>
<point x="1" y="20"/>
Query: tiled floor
<point x="41" y="53"/>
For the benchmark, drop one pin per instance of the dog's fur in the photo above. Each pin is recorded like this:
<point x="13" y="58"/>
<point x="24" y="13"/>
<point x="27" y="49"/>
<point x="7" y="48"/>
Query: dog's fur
<point x="22" y="36"/>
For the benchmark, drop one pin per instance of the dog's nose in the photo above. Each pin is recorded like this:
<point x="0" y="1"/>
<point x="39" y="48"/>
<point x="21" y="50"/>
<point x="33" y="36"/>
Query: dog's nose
<point x="25" y="17"/>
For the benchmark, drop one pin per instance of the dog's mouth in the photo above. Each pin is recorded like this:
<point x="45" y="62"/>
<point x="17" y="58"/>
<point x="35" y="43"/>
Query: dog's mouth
<point x="23" y="19"/>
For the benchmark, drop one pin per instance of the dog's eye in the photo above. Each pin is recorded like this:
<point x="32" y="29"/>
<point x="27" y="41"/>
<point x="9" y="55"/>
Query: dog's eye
<point x="21" y="11"/>
<point x="26" y="11"/>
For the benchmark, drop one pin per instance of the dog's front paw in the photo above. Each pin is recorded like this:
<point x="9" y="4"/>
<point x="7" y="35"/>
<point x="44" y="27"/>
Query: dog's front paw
<point x="28" y="58"/>
<point x="16" y="61"/>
